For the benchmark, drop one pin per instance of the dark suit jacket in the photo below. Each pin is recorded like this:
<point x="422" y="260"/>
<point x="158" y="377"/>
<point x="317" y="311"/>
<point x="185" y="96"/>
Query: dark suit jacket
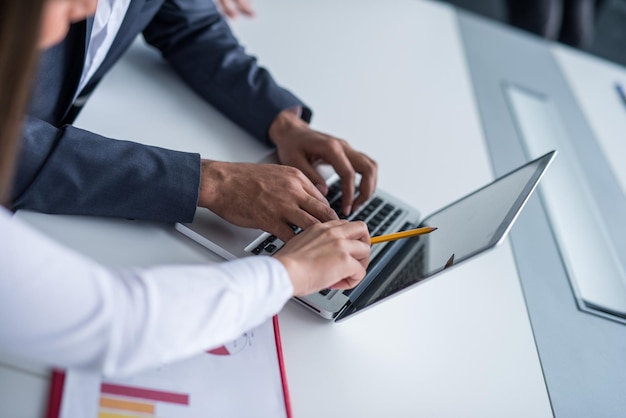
<point x="63" y="169"/>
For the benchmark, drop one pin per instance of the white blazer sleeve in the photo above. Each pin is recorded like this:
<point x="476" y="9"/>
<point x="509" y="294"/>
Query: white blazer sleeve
<point x="67" y="311"/>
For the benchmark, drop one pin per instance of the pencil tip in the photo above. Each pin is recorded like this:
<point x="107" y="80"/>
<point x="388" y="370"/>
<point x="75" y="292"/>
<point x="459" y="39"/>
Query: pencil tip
<point x="433" y="228"/>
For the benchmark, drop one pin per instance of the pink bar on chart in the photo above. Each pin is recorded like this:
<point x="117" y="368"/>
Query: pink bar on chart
<point x="151" y="394"/>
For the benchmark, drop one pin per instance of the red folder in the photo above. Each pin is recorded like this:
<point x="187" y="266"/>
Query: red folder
<point x="117" y="397"/>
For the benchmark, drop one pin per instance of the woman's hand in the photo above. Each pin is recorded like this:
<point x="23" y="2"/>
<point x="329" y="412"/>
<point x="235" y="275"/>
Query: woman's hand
<point x="332" y="254"/>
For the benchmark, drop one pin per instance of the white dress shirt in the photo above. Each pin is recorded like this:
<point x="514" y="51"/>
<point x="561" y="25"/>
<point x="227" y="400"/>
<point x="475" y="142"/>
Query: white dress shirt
<point x="106" y="23"/>
<point x="65" y="310"/>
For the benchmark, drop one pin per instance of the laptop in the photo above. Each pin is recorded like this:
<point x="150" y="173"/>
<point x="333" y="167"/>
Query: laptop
<point x="467" y="227"/>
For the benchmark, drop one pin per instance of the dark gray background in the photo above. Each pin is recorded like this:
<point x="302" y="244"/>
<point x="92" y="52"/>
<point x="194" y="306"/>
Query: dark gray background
<point x="610" y="37"/>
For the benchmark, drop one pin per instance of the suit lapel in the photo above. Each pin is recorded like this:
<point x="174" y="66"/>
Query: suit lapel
<point x="58" y="75"/>
<point x="75" y="55"/>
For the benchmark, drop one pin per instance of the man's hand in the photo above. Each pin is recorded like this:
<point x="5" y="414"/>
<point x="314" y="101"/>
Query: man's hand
<point x="300" y="146"/>
<point x="270" y="197"/>
<point x="233" y="8"/>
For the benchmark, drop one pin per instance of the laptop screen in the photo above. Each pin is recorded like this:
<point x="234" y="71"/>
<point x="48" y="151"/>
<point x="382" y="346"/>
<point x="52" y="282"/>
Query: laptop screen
<point x="467" y="227"/>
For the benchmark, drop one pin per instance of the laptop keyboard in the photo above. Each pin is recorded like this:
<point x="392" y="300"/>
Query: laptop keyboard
<point x="378" y="214"/>
<point x="410" y="274"/>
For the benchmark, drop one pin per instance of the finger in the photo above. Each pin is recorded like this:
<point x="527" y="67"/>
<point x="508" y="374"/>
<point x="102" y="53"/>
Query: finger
<point x="344" y="284"/>
<point x="315" y="203"/>
<point x="353" y="270"/>
<point x="347" y="175"/>
<point x="245" y="7"/>
<point x="332" y="151"/>
<point x="228" y="8"/>
<point x="311" y="173"/>
<point x="302" y="219"/>
<point x="308" y="186"/>
<point x="360" y="250"/>
<point x="348" y="282"/>
<point x="332" y="224"/>
<point x="356" y="230"/>
<point x="321" y="210"/>
<point x="354" y="246"/>
<point x="369" y="176"/>
<point x="283" y="231"/>
<point x="365" y="261"/>
<point x="344" y="169"/>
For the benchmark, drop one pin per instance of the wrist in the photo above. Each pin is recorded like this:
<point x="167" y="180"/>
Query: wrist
<point x="291" y="267"/>
<point x="210" y="174"/>
<point x="285" y="124"/>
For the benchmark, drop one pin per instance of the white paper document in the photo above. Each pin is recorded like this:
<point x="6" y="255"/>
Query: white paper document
<point x="241" y="379"/>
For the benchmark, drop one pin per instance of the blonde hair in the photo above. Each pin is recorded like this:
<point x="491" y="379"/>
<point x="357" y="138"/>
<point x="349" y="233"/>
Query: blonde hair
<point x="20" y="22"/>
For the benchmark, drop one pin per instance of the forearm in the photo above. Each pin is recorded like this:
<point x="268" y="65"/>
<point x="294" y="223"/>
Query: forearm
<point x="286" y="125"/>
<point x="62" y="309"/>
<point x="201" y="48"/>
<point x="72" y="171"/>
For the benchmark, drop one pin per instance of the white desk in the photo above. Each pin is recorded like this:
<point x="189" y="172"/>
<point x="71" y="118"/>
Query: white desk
<point x="382" y="76"/>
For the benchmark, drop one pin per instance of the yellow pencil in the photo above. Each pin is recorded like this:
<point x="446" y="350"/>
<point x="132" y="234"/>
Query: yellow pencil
<point x="403" y="234"/>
